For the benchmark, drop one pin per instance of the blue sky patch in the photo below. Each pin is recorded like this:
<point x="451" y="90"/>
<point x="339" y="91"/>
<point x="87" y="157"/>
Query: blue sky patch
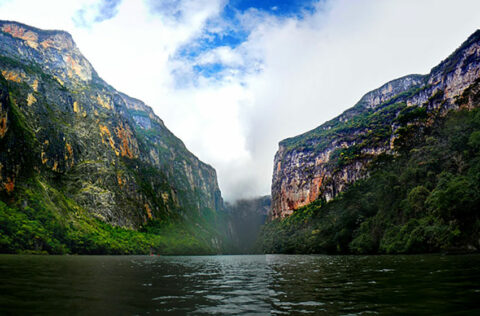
<point x="227" y="30"/>
<point x="276" y="7"/>
<point x="208" y="70"/>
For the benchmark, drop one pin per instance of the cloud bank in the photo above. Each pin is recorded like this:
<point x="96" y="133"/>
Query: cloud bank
<point x="233" y="78"/>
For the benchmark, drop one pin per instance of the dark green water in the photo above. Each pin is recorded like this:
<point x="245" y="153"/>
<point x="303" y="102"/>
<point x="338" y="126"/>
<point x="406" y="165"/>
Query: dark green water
<point x="271" y="284"/>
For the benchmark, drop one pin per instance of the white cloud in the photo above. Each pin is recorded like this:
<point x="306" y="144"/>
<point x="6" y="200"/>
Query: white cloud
<point x="53" y="14"/>
<point x="289" y="76"/>
<point x="96" y="12"/>
<point x="315" y="68"/>
<point x="222" y="54"/>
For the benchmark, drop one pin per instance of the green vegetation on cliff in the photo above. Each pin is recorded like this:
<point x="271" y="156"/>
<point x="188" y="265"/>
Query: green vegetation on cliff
<point x="425" y="198"/>
<point x="44" y="220"/>
<point x="42" y="217"/>
<point x="87" y="169"/>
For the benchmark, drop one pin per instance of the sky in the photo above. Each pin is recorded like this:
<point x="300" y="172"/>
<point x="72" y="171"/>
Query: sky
<point x="233" y="78"/>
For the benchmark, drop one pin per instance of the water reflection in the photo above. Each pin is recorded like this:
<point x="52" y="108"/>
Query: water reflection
<point x="270" y="284"/>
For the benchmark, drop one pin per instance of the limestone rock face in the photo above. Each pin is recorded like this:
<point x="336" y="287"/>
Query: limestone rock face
<point x="62" y="125"/>
<point x="321" y="163"/>
<point x="53" y="50"/>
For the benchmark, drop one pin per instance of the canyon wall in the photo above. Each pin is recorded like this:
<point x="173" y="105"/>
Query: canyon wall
<point x="321" y="163"/>
<point x="64" y="127"/>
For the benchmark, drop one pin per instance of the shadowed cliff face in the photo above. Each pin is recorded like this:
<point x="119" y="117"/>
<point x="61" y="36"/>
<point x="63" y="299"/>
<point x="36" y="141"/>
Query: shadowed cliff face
<point x="321" y="163"/>
<point x="62" y="125"/>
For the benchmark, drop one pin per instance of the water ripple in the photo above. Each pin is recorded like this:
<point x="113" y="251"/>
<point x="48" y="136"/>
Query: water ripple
<point x="238" y="285"/>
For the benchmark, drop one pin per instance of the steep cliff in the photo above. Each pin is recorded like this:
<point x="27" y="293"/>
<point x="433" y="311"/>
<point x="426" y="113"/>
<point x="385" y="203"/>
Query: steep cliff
<point x="323" y="162"/>
<point x="63" y="127"/>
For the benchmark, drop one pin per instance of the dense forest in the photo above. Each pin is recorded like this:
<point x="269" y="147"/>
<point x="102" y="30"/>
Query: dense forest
<point x="423" y="198"/>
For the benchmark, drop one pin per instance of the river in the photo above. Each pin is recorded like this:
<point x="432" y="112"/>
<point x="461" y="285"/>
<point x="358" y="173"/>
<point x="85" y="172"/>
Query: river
<point x="247" y="284"/>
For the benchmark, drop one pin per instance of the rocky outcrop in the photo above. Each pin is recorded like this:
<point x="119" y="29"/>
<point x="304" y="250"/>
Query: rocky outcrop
<point x="62" y="125"/>
<point x="321" y="163"/>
